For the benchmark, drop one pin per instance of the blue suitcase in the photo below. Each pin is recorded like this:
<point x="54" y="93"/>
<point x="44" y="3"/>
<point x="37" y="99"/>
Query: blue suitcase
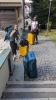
<point x="30" y="67"/>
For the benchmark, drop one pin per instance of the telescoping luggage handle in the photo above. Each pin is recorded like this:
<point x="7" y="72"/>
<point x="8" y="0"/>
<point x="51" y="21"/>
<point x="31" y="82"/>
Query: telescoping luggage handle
<point x="30" y="56"/>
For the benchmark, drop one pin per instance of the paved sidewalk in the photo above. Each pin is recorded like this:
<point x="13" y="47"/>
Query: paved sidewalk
<point x="45" y="53"/>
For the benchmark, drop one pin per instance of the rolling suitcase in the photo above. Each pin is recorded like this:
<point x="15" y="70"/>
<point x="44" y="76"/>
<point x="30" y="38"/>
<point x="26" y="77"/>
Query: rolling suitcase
<point x="30" y="67"/>
<point x="31" y="38"/>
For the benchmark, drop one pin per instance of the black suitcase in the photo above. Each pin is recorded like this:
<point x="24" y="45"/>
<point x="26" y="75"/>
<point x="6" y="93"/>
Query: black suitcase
<point x="30" y="67"/>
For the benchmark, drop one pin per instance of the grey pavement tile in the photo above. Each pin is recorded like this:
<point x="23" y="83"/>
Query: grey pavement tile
<point x="45" y="53"/>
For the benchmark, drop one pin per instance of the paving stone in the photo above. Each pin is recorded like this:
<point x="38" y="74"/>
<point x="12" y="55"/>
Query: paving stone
<point x="45" y="53"/>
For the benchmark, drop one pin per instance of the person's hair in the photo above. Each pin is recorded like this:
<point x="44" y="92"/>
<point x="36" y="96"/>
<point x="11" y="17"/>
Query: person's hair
<point x="26" y="23"/>
<point x="35" y="17"/>
<point x="29" y="27"/>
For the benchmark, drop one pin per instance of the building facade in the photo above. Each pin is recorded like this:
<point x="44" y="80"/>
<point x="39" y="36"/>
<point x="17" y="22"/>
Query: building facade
<point x="10" y="12"/>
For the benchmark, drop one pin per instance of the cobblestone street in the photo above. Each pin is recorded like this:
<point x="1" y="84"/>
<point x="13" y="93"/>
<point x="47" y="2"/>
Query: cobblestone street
<point x="45" y="52"/>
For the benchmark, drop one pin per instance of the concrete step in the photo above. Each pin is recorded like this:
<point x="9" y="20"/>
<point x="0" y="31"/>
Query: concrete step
<point x="29" y="90"/>
<point x="31" y="84"/>
<point x="33" y="99"/>
<point x="24" y="95"/>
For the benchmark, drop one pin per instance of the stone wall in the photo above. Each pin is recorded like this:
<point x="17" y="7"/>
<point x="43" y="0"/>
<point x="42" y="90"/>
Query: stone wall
<point x="4" y="70"/>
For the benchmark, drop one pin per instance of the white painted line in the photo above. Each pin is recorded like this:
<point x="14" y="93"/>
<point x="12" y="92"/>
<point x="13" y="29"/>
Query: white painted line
<point x="32" y="82"/>
<point x="31" y="90"/>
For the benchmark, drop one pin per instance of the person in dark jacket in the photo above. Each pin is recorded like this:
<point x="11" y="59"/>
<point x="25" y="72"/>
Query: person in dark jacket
<point x="13" y="44"/>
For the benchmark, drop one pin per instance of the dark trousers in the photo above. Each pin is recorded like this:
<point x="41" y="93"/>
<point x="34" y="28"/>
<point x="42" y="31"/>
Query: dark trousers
<point x="13" y="47"/>
<point x="36" y="37"/>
